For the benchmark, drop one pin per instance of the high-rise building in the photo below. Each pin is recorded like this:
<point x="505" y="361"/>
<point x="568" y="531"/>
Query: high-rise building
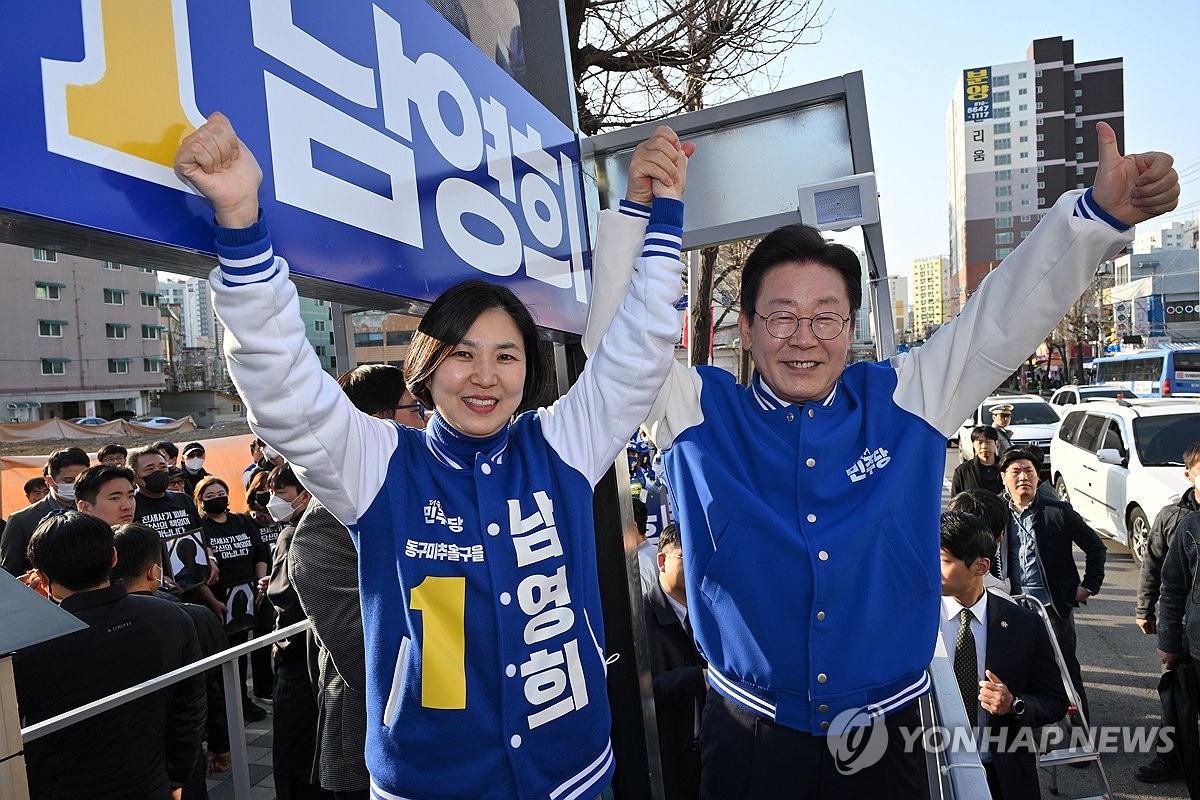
<point x="1019" y="135"/>
<point x="81" y="337"/>
<point x="929" y="291"/>
<point x="898" y="295"/>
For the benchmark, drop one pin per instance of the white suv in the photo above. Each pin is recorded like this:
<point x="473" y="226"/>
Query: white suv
<point x="1032" y="425"/>
<point x="1118" y="462"/>
<point x="1070" y="395"/>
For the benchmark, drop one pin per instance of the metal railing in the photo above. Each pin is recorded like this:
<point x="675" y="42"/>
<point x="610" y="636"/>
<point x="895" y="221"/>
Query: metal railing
<point x="231" y="678"/>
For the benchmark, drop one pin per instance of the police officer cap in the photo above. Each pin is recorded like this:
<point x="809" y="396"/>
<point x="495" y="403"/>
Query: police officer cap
<point x="1005" y="408"/>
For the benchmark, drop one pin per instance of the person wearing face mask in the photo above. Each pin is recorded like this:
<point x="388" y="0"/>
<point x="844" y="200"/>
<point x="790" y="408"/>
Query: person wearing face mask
<point x="258" y="494"/>
<point x="62" y="467"/>
<point x="170" y="513"/>
<point x="476" y="534"/>
<point x="242" y="559"/>
<point x="193" y="467"/>
<point x="294" y="722"/>
<point x="147" y="748"/>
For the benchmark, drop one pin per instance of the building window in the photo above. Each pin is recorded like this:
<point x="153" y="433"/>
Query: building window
<point x="1024" y="187"/>
<point x="999" y="97"/>
<point x="1024" y="218"/>
<point x="114" y="331"/>
<point x="1041" y="153"/>
<point x="1003" y="174"/>
<point x="1026" y="202"/>
<point x="118" y="366"/>
<point x="1022" y="76"/>
<point x="1078" y="169"/>
<point x="1023" y="123"/>
<point x="319" y="325"/>
<point x="1079" y="92"/>
<point x="1003" y="191"/>
<point x="51" y="327"/>
<point x="1023" y="139"/>
<point x="1078" y="109"/>
<point x="1003" y="206"/>
<point x="47" y="291"/>
<point x="1024" y="154"/>
<point x="1078" y="140"/>
<point x="146" y="269"/>
<point x="1041" y="201"/>
<point x="1023" y="107"/>
<point x="1041" y="137"/>
<point x="1039" y="108"/>
<point x="1041" y="168"/>
<point x="1001" y="112"/>
<point x="1078" y="124"/>
<point x="1002" y="127"/>
<point x="110" y="265"/>
<point x="1025" y="234"/>
<point x="1041" y="184"/>
<point x="399" y="338"/>
<point x="53" y="366"/>
<point x="1001" y="252"/>
<point x="370" y="339"/>
<point x="149" y="299"/>
<point x="999" y="80"/>
<point x="1040" y="122"/>
<point x="45" y="255"/>
<point x="151" y="365"/>
<point x="320" y="349"/>
<point x="1024" y="170"/>
<point x="1003" y="144"/>
<point x="150" y="331"/>
<point x="1003" y="159"/>
<point x="1022" y="91"/>
<point x="1003" y="222"/>
<point x="1004" y="238"/>
<point x="1079" y="155"/>
<point x="1039" y="89"/>
<point x="114" y="297"/>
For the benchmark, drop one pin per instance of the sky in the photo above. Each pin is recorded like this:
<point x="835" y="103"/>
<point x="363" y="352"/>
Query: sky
<point x="911" y="54"/>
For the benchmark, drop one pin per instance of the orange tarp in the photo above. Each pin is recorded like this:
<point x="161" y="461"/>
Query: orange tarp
<point x="226" y="458"/>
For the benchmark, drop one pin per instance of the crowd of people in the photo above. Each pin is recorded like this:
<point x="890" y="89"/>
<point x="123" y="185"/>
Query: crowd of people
<point x="435" y="527"/>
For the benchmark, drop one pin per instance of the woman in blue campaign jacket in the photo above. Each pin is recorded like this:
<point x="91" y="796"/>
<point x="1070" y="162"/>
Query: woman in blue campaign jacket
<point x="485" y="653"/>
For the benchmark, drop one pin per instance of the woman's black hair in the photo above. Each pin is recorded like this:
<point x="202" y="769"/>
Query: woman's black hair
<point x="446" y="324"/>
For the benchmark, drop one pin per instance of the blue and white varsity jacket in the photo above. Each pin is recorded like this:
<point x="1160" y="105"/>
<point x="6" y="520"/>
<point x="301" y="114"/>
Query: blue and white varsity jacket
<point x="484" y="640"/>
<point x="810" y="532"/>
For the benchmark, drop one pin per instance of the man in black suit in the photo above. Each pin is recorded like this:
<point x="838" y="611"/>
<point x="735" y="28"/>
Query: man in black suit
<point x="680" y="683"/>
<point x="147" y="748"/>
<point x="1040" y="561"/>
<point x="1002" y="658"/>
<point x="62" y="468"/>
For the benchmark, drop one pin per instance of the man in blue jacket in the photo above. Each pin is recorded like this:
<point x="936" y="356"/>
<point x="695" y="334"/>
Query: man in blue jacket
<point x="808" y="501"/>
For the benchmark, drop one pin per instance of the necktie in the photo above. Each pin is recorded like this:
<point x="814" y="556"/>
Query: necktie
<point x="965" y="666"/>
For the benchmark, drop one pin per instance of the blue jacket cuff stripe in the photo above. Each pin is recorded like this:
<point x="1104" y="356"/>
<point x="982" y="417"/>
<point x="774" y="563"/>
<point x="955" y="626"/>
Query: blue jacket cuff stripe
<point x="634" y="209"/>
<point x="1087" y="204"/>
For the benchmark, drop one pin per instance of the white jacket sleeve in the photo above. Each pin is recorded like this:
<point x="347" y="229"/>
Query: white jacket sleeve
<point x="1010" y="314"/>
<point x="677" y="405"/>
<point x="340" y="454"/>
<point x="591" y="424"/>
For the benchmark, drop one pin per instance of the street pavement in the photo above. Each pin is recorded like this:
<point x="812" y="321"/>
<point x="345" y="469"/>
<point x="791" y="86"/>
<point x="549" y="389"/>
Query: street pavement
<point x="1120" y="670"/>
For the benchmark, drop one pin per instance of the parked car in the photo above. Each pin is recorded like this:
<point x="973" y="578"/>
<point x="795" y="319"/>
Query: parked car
<point x="1070" y="395"/>
<point x="1118" y="462"/>
<point x="88" y="421"/>
<point x="154" y="422"/>
<point x="1032" y="425"/>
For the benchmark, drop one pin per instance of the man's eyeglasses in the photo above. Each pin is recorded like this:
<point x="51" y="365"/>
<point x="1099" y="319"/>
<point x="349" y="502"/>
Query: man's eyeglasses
<point x="826" y="325"/>
<point x="416" y="407"/>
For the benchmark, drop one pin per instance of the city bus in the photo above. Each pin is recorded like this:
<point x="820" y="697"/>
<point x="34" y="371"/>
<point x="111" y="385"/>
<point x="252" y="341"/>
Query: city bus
<point x="1152" y="373"/>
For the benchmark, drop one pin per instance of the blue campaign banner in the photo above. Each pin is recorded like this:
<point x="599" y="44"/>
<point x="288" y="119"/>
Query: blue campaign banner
<point x="397" y="157"/>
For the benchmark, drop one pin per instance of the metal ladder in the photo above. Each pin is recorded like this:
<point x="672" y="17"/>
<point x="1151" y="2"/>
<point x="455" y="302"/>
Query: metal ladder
<point x="1084" y="753"/>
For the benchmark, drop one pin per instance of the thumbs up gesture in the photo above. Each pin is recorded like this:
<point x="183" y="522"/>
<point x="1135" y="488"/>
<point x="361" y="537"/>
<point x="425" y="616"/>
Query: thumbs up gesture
<point x="1133" y="188"/>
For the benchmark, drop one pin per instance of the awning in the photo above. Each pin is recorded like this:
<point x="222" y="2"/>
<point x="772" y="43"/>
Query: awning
<point x="50" y="283"/>
<point x="23" y="404"/>
<point x="55" y="321"/>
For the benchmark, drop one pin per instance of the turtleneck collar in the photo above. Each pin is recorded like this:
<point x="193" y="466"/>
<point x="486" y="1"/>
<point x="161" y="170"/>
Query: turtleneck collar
<point x="460" y="451"/>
